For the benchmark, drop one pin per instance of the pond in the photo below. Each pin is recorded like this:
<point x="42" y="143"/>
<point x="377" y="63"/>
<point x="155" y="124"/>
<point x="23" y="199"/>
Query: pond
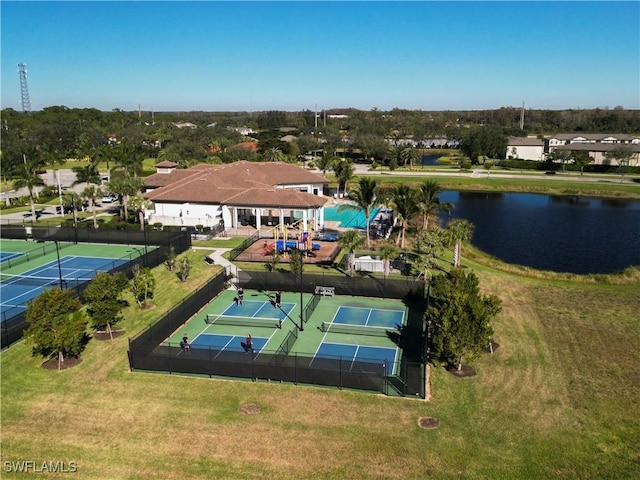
<point x="547" y="232"/>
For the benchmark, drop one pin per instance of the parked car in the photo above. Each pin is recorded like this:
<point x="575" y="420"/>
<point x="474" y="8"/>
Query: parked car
<point x="109" y="199"/>
<point x="66" y="209"/>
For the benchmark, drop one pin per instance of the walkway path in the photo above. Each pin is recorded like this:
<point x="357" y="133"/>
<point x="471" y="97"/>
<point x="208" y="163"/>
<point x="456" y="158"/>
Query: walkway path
<point x="217" y="256"/>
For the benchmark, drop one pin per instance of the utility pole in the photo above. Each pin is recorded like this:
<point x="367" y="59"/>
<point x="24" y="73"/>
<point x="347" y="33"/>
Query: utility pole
<point x="522" y="117"/>
<point x="24" y="89"/>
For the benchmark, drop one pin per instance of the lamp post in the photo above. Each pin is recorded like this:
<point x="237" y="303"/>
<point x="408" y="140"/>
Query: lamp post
<point x="301" y="305"/>
<point x="59" y="267"/>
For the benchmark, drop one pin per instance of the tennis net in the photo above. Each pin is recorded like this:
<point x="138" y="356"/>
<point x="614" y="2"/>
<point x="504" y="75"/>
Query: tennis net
<point x="40" y="251"/>
<point x="29" y="280"/>
<point x="354" y="329"/>
<point x="243" y="321"/>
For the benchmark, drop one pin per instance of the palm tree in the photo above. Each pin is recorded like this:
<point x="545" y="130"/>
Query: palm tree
<point x="365" y="197"/>
<point x="409" y="155"/>
<point x="387" y="252"/>
<point x="405" y="204"/>
<point x="75" y="201"/>
<point x="92" y="193"/>
<point x="350" y="240"/>
<point x="273" y="155"/>
<point x="430" y="245"/>
<point x="87" y="175"/>
<point x="344" y="171"/>
<point x="140" y="205"/>
<point x="428" y="202"/>
<point x="26" y="176"/>
<point x="459" y="230"/>
<point x="52" y="157"/>
<point x="129" y="159"/>
<point x="104" y="153"/>
<point x="125" y="188"/>
<point x="325" y="162"/>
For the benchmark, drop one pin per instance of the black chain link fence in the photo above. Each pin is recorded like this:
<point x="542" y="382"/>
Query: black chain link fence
<point x="149" y="350"/>
<point x="13" y="321"/>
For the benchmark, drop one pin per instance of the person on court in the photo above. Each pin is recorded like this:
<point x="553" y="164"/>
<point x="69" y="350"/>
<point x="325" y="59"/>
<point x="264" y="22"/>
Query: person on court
<point x="240" y="296"/>
<point x="278" y="299"/>
<point x="185" y="343"/>
<point x="247" y="344"/>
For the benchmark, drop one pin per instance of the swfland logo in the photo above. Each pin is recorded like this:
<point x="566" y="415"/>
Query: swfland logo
<point x="35" y="466"/>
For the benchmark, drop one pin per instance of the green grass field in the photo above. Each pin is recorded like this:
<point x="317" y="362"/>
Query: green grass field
<point x="559" y="398"/>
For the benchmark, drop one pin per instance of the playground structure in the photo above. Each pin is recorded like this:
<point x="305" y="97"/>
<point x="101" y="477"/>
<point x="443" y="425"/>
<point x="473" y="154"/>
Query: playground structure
<point x="301" y="241"/>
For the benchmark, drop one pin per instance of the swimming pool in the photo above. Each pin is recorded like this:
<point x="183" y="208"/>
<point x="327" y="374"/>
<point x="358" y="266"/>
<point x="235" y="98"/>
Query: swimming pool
<point x="349" y="217"/>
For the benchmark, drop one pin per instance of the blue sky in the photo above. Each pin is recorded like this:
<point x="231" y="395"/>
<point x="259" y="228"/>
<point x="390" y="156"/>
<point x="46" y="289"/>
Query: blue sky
<point x="254" y="56"/>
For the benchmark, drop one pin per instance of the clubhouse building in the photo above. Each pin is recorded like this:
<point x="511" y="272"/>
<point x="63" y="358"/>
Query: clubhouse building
<point x="259" y="194"/>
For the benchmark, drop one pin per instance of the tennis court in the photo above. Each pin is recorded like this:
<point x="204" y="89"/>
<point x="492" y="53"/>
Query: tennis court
<point x="341" y="339"/>
<point x="28" y="268"/>
<point x="225" y="323"/>
<point x="4" y="256"/>
<point x="17" y="290"/>
<point x="340" y="329"/>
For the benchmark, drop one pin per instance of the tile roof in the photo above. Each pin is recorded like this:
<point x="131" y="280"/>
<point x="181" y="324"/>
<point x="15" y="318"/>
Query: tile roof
<point x="525" y="141"/>
<point x="165" y="164"/>
<point x="600" y="147"/>
<point x="241" y="184"/>
<point x="594" y="136"/>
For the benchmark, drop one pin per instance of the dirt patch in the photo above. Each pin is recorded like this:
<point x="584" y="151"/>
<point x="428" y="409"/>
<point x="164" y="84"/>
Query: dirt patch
<point x="52" y="363"/>
<point x="428" y="422"/>
<point x="464" y="371"/>
<point x="101" y="335"/>
<point x="494" y="345"/>
<point x="250" y="409"/>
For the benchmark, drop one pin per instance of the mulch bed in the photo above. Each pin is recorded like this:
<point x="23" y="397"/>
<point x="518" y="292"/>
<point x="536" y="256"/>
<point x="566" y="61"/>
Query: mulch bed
<point x="494" y="345"/>
<point x="255" y="253"/>
<point x="105" y="335"/>
<point x="428" y="422"/>
<point x="465" y="371"/>
<point x="52" y="363"/>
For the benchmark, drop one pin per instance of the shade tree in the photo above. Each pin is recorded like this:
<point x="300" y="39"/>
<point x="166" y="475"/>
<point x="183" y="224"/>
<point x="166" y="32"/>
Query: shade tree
<point x="458" y="318"/>
<point x="56" y="325"/>
<point x="103" y="297"/>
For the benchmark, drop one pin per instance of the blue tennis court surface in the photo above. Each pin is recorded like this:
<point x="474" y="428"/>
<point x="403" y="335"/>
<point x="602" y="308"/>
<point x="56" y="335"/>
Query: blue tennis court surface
<point x="261" y="309"/>
<point x="17" y="291"/>
<point x="8" y="255"/>
<point x="229" y="343"/>
<point x="369" y="317"/>
<point x="356" y="353"/>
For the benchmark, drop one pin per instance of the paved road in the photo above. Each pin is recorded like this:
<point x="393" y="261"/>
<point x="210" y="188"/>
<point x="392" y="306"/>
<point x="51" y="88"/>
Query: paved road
<point x="482" y="173"/>
<point x="67" y="177"/>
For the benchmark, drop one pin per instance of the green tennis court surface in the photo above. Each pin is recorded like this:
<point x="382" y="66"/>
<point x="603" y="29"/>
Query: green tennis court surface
<point x="347" y="328"/>
<point x="29" y="267"/>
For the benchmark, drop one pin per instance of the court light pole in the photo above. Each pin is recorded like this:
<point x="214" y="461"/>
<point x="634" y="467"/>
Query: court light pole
<point x="301" y="305"/>
<point x="59" y="267"/>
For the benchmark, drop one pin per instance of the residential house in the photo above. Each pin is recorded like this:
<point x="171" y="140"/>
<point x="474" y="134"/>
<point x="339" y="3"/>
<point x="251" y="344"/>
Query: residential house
<point x="597" y="144"/>
<point x="525" y="148"/>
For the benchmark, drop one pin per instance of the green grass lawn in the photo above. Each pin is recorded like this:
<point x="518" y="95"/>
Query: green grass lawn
<point x="557" y="399"/>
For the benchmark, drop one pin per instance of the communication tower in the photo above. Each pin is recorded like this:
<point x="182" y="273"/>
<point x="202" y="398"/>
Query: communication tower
<point x="24" y="89"/>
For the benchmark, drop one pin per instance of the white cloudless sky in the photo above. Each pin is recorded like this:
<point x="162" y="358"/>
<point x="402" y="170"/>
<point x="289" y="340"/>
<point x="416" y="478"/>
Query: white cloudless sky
<point x="251" y="56"/>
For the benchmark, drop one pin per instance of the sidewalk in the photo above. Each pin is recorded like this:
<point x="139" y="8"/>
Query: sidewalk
<point x="218" y="259"/>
